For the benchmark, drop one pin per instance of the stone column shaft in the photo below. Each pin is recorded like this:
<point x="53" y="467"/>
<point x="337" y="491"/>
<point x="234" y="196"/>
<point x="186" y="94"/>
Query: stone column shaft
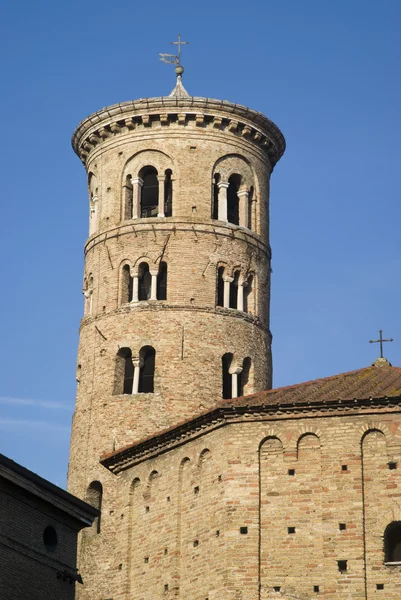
<point x="153" y="287"/>
<point x="243" y="196"/>
<point x="161" y="180"/>
<point x="240" y="296"/>
<point x="223" y="187"/>
<point x="135" y="288"/>
<point x="227" y="283"/>
<point x="137" y="184"/>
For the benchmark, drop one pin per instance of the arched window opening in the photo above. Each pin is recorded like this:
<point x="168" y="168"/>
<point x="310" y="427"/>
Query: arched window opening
<point x="392" y="542"/>
<point x="220" y="286"/>
<point x="147" y="372"/>
<point x="144" y="282"/>
<point x="168" y="194"/>
<point x="234" y="183"/>
<point x="128" y="191"/>
<point x="227" y="379"/>
<point x="149" y="192"/>
<point x="251" y="224"/>
<point x="126" y="285"/>
<point x="234" y="291"/>
<point x="248" y="295"/>
<point x="125" y="371"/>
<point x="94" y="497"/>
<point x="215" y="206"/>
<point x="244" y="377"/>
<point x="162" y="282"/>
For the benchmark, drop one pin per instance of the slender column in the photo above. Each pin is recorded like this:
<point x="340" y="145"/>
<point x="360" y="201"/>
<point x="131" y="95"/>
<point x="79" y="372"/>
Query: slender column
<point x="93" y="215"/>
<point x="243" y="196"/>
<point x="153" y="287"/>
<point x="88" y="300"/>
<point x="135" y="287"/>
<point x="223" y="187"/>
<point x="227" y="281"/>
<point x="137" y="184"/>
<point x="234" y="380"/>
<point x="137" y="364"/>
<point x="161" y="179"/>
<point x="240" y="296"/>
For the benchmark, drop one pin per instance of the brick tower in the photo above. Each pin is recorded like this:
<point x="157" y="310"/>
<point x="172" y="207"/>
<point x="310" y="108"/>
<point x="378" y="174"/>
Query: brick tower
<point x="177" y="268"/>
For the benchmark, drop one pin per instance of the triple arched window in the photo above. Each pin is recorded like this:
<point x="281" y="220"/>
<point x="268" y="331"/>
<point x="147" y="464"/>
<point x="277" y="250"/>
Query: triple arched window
<point x="148" y="194"/>
<point x="135" y="374"/>
<point x="143" y="283"/>
<point x="235" y="376"/>
<point x="235" y="290"/>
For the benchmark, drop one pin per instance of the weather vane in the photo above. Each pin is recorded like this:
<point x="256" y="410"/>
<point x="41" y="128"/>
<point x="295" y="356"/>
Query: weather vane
<point x="174" y="59"/>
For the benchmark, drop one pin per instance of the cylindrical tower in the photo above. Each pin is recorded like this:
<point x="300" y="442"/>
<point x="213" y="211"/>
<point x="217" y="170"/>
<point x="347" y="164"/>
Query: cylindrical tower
<point x="177" y="267"/>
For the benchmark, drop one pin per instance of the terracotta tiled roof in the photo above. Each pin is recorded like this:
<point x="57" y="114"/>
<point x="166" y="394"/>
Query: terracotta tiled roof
<point x="370" y="382"/>
<point x="374" y="384"/>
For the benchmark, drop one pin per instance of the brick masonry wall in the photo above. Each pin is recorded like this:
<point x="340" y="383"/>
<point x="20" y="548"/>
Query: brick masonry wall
<point x="175" y="519"/>
<point x="27" y="568"/>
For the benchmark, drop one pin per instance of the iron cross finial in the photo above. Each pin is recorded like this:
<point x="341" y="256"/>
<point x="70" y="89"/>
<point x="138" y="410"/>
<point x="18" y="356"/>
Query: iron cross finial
<point x="174" y="59"/>
<point x="380" y="341"/>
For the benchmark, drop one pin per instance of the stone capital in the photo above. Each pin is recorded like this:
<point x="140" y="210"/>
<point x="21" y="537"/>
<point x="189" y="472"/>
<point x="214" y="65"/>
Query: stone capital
<point x="235" y="370"/>
<point x="223" y="184"/>
<point x="137" y="180"/>
<point x="228" y="278"/>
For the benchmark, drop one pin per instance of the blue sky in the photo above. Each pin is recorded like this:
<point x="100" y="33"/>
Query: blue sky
<point x="327" y="73"/>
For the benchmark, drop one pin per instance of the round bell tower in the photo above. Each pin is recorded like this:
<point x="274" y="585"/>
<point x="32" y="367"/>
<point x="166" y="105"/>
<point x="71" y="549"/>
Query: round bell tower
<point x="177" y="267"/>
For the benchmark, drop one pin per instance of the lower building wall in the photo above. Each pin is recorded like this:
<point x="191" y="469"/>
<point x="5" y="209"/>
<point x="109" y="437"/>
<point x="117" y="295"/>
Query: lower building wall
<point x="254" y="510"/>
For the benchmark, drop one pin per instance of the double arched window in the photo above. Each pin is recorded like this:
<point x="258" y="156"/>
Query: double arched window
<point x="235" y="291"/>
<point x="148" y="194"/>
<point x="233" y="192"/>
<point x="135" y="375"/>
<point x="143" y="283"/>
<point x="235" y="376"/>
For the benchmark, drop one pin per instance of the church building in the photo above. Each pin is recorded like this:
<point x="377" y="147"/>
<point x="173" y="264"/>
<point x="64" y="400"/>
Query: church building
<point x="211" y="485"/>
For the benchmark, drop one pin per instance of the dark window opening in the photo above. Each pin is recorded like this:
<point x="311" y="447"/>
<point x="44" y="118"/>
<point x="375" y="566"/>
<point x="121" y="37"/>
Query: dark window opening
<point x="147" y="372"/>
<point x="233" y="200"/>
<point x="250" y="206"/>
<point x="392" y="465"/>
<point x="291" y="530"/>
<point x="144" y="282"/>
<point x="168" y="194"/>
<point x="344" y="468"/>
<point x="227" y="379"/>
<point x="125" y="358"/>
<point x="128" y="197"/>
<point x="50" y="538"/>
<point x="315" y="588"/>
<point x="243" y="530"/>
<point x="220" y="286"/>
<point x="94" y="497"/>
<point x="291" y="472"/>
<point x="380" y="586"/>
<point x="127" y="285"/>
<point x="215" y="207"/>
<point x="392" y="542"/>
<point x="162" y="282"/>
<point x="243" y="377"/>
<point x="149" y="192"/>
<point x="342" y="526"/>
<point x="234" y="291"/>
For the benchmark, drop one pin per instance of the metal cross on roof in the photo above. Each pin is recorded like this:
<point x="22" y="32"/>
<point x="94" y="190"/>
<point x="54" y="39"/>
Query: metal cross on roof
<point x="173" y="59"/>
<point x="380" y="341"/>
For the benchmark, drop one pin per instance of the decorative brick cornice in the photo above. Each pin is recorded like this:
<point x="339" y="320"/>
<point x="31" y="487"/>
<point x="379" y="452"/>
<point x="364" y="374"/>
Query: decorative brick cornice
<point x="235" y="119"/>
<point x="183" y="432"/>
